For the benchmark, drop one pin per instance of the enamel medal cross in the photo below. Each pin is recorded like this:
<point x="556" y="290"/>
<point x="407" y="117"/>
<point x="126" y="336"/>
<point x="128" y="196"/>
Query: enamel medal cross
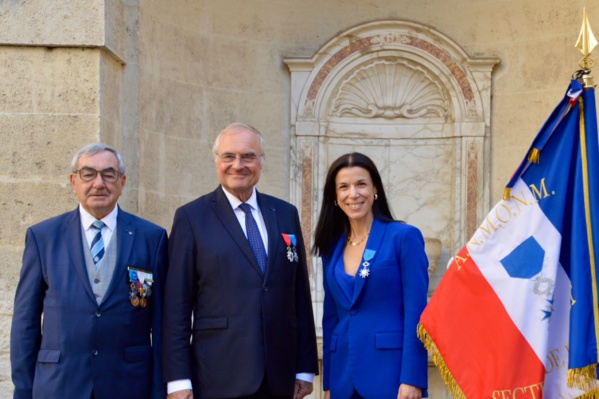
<point x="365" y="269"/>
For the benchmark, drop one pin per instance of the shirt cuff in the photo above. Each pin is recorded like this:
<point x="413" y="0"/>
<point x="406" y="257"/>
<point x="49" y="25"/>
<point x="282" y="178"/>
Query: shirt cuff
<point x="308" y="377"/>
<point x="178" y="385"/>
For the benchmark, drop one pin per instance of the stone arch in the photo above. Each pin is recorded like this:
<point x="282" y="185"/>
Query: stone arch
<point x="416" y="102"/>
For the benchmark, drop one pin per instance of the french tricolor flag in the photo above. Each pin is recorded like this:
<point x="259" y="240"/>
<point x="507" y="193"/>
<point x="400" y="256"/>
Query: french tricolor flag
<point x="517" y="313"/>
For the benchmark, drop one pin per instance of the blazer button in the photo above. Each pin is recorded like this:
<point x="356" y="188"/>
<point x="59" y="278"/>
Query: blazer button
<point x="265" y="289"/>
<point x="98" y="314"/>
<point x="353" y="312"/>
<point x="95" y="352"/>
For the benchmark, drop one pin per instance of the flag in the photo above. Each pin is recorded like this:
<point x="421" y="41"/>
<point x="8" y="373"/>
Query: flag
<point x="516" y="313"/>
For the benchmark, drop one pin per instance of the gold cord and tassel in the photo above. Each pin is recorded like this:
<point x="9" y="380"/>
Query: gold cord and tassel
<point x="534" y="156"/>
<point x="506" y="193"/>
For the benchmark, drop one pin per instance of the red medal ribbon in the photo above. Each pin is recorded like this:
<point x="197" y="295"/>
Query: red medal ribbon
<point x="287" y="239"/>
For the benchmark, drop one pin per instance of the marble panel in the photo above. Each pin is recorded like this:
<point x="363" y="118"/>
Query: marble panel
<point x="417" y="178"/>
<point x="418" y="105"/>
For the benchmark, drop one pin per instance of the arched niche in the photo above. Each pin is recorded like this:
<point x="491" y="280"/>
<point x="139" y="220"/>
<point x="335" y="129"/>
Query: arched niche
<point x="415" y="102"/>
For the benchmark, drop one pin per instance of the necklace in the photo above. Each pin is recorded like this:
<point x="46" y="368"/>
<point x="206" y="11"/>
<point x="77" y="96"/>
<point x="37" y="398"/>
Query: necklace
<point x="356" y="243"/>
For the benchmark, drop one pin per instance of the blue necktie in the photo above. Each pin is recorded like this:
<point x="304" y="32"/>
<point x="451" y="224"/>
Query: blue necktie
<point x="254" y="236"/>
<point x="97" y="247"/>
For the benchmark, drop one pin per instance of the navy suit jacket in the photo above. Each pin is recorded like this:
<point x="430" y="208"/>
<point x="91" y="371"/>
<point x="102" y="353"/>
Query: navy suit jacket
<point x="370" y="341"/>
<point x="245" y="324"/>
<point x="113" y="348"/>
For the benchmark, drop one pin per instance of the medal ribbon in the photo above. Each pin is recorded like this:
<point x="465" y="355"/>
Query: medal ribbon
<point x="368" y="254"/>
<point x="289" y="239"/>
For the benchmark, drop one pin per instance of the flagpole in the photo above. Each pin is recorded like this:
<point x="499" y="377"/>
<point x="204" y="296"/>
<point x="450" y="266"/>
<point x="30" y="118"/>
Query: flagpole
<point x="585" y="377"/>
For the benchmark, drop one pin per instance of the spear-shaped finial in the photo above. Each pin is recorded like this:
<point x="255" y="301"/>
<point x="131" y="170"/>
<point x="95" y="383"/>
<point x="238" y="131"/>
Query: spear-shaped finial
<point x="586" y="40"/>
<point x="586" y="43"/>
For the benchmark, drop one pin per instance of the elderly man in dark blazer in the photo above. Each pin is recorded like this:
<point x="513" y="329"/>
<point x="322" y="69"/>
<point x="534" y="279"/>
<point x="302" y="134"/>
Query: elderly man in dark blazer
<point x="88" y="306"/>
<point x="238" y="319"/>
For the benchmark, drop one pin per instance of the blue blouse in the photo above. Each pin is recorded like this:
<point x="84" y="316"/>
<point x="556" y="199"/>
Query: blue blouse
<point x="345" y="281"/>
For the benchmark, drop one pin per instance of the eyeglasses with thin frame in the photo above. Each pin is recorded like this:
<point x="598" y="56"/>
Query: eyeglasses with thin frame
<point x="247" y="158"/>
<point x="109" y="175"/>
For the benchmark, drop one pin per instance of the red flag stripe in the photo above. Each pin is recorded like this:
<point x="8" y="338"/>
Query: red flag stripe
<point x="466" y="313"/>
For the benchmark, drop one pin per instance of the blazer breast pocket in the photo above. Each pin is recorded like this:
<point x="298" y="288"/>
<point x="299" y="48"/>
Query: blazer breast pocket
<point x="48" y="356"/>
<point x="211" y="323"/>
<point x="385" y="263"/>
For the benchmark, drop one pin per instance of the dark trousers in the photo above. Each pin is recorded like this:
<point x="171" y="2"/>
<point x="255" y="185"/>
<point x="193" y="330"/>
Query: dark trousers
<point x="264" y="393"/>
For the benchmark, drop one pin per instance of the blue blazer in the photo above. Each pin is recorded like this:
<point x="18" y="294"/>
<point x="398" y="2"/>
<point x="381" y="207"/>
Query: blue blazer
<point x="245" y="324"/>
<point x="113" y="349"/>
<point x="370" y="341"/>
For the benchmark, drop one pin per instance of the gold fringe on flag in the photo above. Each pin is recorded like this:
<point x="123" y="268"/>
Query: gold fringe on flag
<point x="589" y="395"/>
<point x="534" y="156"/>
<point x="506" y="193"/>
<point x="450" y="382"/>
<point x="585" y="379"/>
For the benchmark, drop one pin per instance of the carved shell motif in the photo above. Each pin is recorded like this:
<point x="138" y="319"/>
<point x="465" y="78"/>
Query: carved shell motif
<point x="390" y="89"/>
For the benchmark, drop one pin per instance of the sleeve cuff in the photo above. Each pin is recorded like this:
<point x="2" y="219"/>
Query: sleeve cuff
<point x="308" y="377"/>
<point x="178" y="385"/>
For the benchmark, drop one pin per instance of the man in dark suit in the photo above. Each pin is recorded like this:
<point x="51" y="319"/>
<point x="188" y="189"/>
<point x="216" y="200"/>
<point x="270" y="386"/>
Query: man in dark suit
<point x="95" y="276"/>
<point x="237" y="264"/>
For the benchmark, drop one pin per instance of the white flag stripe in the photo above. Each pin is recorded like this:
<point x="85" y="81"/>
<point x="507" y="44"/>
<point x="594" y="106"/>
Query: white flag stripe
<point x="518" y="294"/>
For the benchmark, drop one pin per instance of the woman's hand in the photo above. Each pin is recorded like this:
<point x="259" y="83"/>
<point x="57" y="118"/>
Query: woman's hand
<point x="408" y="392"/>
<point x="327" y="394"/>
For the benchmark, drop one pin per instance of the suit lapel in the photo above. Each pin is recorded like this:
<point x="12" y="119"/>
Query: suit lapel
<point x="269" y="214"/>
<point x="375" y="239"/>
<point x="71" y="236"/>
<point x="337" y="256"/>
<point x="124" y="245"/>
<point x="226" y="214"/>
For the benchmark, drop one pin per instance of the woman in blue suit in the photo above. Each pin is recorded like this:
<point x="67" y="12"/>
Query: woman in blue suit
<point x="375" y="283"/>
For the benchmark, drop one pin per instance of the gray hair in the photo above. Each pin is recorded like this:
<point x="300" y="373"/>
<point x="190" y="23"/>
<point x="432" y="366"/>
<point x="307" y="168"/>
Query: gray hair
<point x="93" y="149"/>
<point x="235" y="128"/>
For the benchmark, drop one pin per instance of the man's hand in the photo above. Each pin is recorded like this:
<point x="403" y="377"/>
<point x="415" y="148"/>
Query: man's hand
<point x="302" y="388"/>
<point x="184" y="394"/>
<point x="409" y="392"/>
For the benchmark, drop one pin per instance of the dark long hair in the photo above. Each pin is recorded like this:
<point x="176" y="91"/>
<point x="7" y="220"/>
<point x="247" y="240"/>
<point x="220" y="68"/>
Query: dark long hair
<point x="333" y="222"/>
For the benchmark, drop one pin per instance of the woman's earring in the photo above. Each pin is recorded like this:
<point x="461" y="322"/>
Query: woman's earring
<point x="376" y="196"/>
<point x="335" y="202"/>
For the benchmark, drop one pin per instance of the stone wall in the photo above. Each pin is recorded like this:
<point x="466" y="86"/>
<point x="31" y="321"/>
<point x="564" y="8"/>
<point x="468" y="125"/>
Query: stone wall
<point x="61" y="87"/>
<point x="159" y="79"/>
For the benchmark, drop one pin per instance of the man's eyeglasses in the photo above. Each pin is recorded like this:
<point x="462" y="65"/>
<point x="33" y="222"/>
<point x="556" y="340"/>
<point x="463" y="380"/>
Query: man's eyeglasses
<point x="228" y="157"/>
<point x="109" y="175"/>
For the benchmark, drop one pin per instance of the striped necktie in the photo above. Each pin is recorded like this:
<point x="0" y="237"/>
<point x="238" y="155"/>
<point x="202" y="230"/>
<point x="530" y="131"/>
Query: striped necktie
<point x="97" y="247"/>
<point x="254" y="236"/>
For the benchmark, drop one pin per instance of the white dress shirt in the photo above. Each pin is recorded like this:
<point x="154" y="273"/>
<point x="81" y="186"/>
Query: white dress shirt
<point x="110" y="225"/>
